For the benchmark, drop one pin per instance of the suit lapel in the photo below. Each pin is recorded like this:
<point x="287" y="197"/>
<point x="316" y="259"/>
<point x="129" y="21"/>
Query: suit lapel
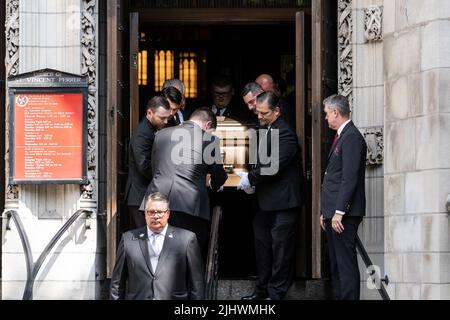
<point x="167" y="247"/>
<point x="143" y="243"/>
<point x="332" y="148"/>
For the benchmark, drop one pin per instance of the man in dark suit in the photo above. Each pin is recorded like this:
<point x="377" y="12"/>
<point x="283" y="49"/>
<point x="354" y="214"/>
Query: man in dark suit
<point x="343" y="200"/>
<point x="175" y="98"/>
<point x="222" y="93"/>
<point x="249" y="94"/>
<point x="182" y="157"/>
<point x="180" y="115"/>
<point x="278" y="180"/>
<point x="159" y="261"/>
<point x="139" y="155"/>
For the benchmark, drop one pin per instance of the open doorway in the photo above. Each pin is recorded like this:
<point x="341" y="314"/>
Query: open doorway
<point x="241" y="52"/>
<point x="221" y="41"/>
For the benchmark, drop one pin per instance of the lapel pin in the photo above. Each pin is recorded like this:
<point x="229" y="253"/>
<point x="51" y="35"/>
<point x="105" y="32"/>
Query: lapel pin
<point x="141" y="235"/>
<point x="170" y="235"/>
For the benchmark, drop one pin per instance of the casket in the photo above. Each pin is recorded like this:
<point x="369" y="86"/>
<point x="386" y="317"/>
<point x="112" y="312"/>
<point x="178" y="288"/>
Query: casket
<point x="234" y="143"/>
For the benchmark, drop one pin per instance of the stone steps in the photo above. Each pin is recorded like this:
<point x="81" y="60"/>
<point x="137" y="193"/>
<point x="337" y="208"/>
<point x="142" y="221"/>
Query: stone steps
<point x="234" y="289"/>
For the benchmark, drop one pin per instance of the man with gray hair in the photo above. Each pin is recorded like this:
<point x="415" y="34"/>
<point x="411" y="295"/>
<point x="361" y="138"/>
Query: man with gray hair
<point x="249" y="94"/>
<point x="343" y="200"/>
<point x="158" y="261"/>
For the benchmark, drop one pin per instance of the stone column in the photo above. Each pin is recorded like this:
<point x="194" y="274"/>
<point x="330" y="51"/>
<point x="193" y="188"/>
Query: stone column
<point x="417" y="169"/>
<point x="60" y="35"/>
<point x="361" y="79"/>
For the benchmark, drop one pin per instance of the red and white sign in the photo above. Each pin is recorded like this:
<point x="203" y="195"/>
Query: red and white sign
<point x="48" y="136"/>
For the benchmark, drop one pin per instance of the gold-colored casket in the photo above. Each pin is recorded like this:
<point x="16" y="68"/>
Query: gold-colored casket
<point x="234" y="142"/>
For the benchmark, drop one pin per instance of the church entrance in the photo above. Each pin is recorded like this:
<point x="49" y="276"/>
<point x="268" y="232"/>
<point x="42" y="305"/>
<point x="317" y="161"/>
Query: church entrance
<point x="199" y="53"/>
<point x="195" y="45"/>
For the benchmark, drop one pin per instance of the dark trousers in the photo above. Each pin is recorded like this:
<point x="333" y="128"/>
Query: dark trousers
<point x="195" y="224"/>
<point x="275" y="237"/>
<point x="137" y="217"/>
<point x="343" y="259"/>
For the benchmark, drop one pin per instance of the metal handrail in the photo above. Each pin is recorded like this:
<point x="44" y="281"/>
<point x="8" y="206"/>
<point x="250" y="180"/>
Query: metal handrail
<point x="211" y="275"/>
<point x="33" y="268"/>
<point x="23" y="239"/>
<point x="365" y="257"/>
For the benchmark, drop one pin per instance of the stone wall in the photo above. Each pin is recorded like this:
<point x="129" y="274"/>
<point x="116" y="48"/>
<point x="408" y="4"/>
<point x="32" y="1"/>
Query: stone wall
<point x="417" y="138"/>
<point x="58" y="34"/>
<point x="363" y="83"/>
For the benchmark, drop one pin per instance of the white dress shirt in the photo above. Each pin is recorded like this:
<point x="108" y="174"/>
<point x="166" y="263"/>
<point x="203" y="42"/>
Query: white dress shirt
<point x="222" y="111"/>
<point x="341" y="128"/>
<point x="180" y="116"/>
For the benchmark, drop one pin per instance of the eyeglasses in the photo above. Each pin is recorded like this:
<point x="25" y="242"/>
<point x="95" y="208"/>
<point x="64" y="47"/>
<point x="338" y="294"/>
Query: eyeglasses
<point x="156" y="213"/>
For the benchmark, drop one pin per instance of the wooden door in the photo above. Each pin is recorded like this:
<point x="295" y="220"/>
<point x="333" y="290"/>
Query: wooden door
<point x="324" y="83"/>
<point x="117" y="111"/>
<point x="300" y="108"/>
<point x="317" y="123"/>
<point x="134" y="67"/>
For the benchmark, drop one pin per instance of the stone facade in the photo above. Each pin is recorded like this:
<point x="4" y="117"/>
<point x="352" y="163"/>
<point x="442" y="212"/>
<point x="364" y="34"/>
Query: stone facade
<point x="400" y="87"/>
<point x="57" y="34"/>
<point x="366" y="87"/>
<point x="416" y="76"/>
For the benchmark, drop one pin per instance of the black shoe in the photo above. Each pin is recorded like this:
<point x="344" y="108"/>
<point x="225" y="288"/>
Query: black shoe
<point x="255" y="296"/>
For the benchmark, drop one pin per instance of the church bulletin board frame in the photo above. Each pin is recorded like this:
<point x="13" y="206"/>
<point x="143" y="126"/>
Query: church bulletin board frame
<point x="48" y="128"/>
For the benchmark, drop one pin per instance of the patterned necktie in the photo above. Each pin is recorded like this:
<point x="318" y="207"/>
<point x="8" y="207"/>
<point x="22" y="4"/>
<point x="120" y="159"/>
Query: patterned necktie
<point x="154" y="244"/>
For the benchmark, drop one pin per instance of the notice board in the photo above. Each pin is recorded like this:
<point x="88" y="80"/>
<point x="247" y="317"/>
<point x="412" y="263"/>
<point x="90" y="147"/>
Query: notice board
<point x="47" y="128"/>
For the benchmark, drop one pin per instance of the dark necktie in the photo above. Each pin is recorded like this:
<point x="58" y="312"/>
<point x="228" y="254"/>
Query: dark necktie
<point x="336" y="137"/>
<point x="217" y="112"/>
<point x="175" y="118"/>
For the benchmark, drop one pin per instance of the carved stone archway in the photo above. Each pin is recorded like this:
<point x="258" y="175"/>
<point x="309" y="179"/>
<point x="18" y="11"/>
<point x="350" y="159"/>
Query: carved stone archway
<point x="12" y="69"/>
<point x="345" y="52"/>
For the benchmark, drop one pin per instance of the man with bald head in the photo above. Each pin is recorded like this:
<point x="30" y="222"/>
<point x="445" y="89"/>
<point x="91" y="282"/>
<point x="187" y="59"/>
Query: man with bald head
<point x="267" y="84"/>
<point x="287" y="111"/>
